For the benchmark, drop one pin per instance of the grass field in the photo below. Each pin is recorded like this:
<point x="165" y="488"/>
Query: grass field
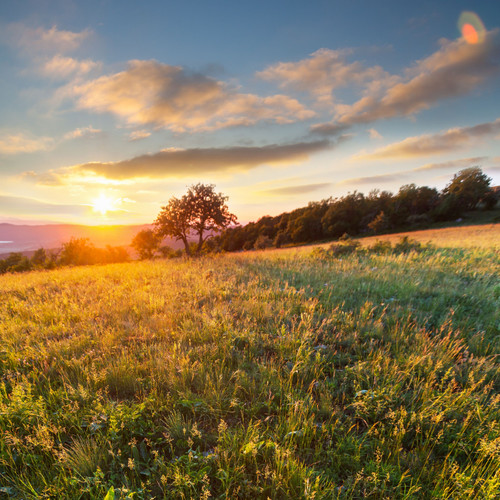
<point x="273" y="374"/>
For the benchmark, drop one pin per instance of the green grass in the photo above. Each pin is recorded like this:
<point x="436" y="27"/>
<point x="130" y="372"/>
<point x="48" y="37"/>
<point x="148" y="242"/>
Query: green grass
<point x="280" y="374"/>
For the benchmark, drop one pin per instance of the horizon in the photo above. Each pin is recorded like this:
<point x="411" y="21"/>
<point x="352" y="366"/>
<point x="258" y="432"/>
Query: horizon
<point x="104" y="121"/>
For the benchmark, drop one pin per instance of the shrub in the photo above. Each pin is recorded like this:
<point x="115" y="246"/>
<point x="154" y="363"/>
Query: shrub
<point x="262" y="241"/>
<point x="345" y="246"/>
<point x="406" y="245"/>
<point x="381" y="247"/>
<point x="168" y="252"/>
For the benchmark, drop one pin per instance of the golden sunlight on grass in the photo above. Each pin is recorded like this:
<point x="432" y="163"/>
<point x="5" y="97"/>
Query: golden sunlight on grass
<point x="480" y="236"/>
<point x="301" y="373"/>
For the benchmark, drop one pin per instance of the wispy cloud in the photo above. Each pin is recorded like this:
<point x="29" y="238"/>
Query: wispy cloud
<point x="374" y="134"/>
<point x="12" y="144"/>
<point x="295" y="190"/>
<point x="431" y="144"/>
<point x="403" y="175"/>
<point x="39" y="40"/>
<point x="62" y="67"/>
<point x="83" y="132"/>
<point x="182" y="162"/>
<point x="149" y="92"/>
<point x="138" y="135"/>
<point x="372" y="179"/>
<point x="455" y="164"/>
<point x="328" y="129"/>
<point x="18" y="205"/>
<point x="454" y="70"/>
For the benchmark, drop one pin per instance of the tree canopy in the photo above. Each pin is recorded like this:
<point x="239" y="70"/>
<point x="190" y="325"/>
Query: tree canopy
<point x="201" y="211"/>
<point x="469" y="187"/>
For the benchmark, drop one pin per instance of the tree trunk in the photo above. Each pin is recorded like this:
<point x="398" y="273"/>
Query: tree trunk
<point x="200" y="242"/>
<point x="186" y="246"/>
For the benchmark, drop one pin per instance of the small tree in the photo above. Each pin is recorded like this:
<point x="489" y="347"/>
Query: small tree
<point x="201" y="211"/>
<point x="39" y="258"/>
<point x="78" y="252"/>
<point x="146" y="242"/>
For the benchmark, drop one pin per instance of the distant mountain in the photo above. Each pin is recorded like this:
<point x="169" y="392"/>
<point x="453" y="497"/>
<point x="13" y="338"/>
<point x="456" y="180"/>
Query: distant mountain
<point x="24" y="238"/>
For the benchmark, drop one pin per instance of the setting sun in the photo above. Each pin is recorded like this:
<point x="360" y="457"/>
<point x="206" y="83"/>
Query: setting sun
<point x="103" y="204"/>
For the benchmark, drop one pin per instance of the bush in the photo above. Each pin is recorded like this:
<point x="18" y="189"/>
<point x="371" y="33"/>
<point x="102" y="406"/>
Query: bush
<point x="381" y="247"/>
<point x="406" y="245"/>
<point x="15" y="263"/>
<point x="168" y="252"/>
<point x="262" y="242"/>
<point x="343" y="248"/>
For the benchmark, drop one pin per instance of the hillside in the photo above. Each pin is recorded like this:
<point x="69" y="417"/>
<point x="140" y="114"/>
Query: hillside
<point x="25" y="238"/>
<point x="284" y="374"/>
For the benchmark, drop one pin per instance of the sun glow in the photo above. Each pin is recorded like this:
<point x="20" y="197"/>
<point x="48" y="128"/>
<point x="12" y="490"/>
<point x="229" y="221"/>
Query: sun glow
<point x="103" y="204"/>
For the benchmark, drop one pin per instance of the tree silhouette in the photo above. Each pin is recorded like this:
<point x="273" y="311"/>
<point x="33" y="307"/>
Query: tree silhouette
<point x="201" y="211"/>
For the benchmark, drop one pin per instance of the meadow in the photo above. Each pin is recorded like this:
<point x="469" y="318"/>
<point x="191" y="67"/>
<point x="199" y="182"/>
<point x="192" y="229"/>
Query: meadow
<point x="294" y="373"/>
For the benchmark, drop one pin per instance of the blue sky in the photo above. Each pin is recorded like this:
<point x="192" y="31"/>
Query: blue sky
<point x="109" y="108"/>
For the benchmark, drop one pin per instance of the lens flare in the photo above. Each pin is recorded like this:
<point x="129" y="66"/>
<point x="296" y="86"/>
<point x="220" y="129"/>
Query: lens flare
<point x="471" y="27"/>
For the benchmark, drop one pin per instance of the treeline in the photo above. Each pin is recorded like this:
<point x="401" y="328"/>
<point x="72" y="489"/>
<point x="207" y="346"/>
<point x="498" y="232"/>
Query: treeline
<point x="355" y="214"/>
<point x="76" y="252"/>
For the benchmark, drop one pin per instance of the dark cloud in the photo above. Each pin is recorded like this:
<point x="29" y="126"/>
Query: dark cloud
<point x="181" y="162"/>
<point x="328" y="129"/>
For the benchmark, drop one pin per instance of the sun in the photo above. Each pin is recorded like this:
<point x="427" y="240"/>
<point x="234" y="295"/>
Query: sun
<point x="103" y="204"/>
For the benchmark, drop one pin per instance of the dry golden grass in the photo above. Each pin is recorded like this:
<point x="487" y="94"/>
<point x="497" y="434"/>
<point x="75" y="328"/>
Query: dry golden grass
<point x="292" y="373"/>
<point x="481" y="236"/>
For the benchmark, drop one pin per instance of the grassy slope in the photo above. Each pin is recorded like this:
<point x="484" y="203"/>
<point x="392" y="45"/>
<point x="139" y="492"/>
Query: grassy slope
<point x="473" y="236"/>
<point x="280" y="374"/>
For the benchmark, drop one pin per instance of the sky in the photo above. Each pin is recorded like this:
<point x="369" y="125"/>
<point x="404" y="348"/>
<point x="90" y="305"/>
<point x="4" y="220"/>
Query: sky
<point x="109" y="108"/>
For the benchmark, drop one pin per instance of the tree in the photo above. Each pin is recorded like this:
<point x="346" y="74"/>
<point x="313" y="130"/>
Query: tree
<point x="39" y="258"/>
<point x="380" y="223"/>
<point x="146" y="242"/>
<point x="469" y="187"/>
<point x="78" y="252"/>
<point x="344" y="215"/>
<point x="200" y="211"/>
